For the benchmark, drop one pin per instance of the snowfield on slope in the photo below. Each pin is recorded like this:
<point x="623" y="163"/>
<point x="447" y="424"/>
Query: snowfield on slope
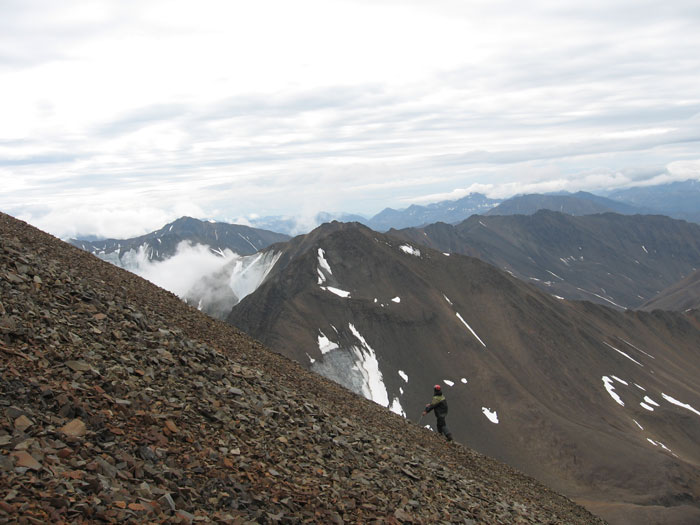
<point x="325" y="345"/>
<point x="249" y="272"/>
<point x="491" y="415"/>
<point x="406" y="248"/>
<point x="470" y="329"/>
<point x="337" y="291"/>
<point x="368" y="366"/>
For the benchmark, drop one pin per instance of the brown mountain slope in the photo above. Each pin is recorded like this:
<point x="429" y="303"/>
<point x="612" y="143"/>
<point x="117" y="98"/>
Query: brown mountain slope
<point x="616" y="260"/>
<point x="681" y="296"/>
<point x="119" y="403"/>
<point x="577" y="394"/>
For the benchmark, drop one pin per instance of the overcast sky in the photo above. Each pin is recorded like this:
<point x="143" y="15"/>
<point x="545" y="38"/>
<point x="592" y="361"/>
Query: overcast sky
<point x="119" y="116"/>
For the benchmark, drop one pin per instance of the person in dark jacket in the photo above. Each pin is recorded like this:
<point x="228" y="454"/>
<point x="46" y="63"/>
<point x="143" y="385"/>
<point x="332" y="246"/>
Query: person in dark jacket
<point x="439" y="405"/>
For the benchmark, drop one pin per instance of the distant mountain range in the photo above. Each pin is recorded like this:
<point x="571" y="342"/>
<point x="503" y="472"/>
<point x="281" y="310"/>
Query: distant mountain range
<point x="618" y="260"/>
<point x="621" y="261"/>
<point x="444" y="211"/>
<point x="590" y="400"/>
<point x="163" y="243"/>
<point x="679" y="200"/>
<point x="581" y="203"/>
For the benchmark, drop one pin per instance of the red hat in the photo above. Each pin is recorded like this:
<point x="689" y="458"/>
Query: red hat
<point x="438" y="388"/>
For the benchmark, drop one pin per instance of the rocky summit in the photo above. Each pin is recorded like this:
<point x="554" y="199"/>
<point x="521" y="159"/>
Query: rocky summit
<point x="120" y="403"/>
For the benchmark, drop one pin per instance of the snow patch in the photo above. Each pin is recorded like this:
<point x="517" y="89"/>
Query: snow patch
<point x="245" y="239"/>
<point x="336" y="291"/>
<point x="680" y="404"/>
<point x="611" y="390"/>
<point x="665" y="447"/>
<point x="650" y="401"/>
<point x="447" y="299"/>
<point x="620" y="380"/>
<point x="638" y="349"/>
<point x="325" y="345"/>
<point x="640" y="426"/>
<point x="322" y="262"/>
<point x="490" y="414"/>
<point x="601" y="297"/>
<point x="464" y="380"/>
<point x="623" y="353"/>
<point x="367" y="364"/>
<point x="396" y="299"/>
<point x="448" y="382"/>
<point x="407" y="248"/>
<point x="403" y="375"/>
<point x="470" y="329"/>
<point x="647" y="407"/>
<point x="396" y="407"/>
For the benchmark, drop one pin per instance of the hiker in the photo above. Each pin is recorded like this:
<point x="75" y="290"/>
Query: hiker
<point x="439" y="404"/>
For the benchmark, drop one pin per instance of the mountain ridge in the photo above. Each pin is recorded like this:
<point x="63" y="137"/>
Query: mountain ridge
<point x="579" y="203"/>
<point x="384" y="316"/>
<point x="681" y="296"/>
<point x="442" y="211"/>
<point x="613" y="259"/>
<point x="163" y="243"/>
<point x="121" y="403"/>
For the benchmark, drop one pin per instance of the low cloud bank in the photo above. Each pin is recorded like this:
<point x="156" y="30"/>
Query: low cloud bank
<point x="179" y="273"/>
<point x="212" y="282"/>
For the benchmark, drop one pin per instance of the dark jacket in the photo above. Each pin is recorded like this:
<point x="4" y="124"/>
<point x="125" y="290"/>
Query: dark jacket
<point x="439" y="404"/>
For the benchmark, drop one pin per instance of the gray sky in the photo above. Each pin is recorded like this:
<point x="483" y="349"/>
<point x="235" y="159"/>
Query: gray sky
<point x="119" y="116"/>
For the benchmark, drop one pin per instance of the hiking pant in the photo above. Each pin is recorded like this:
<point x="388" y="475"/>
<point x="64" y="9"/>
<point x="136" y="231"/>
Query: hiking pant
<point x="442" y="428"/>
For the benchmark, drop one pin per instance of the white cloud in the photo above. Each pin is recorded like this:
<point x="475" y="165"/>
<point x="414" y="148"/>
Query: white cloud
<point x="180" y="272"/>
<point x="282" y="108"/>
<point x="116" y="222"/>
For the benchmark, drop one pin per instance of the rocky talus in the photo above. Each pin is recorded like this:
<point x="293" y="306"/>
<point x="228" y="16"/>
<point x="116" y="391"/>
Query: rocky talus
<point x="119" y="403"/>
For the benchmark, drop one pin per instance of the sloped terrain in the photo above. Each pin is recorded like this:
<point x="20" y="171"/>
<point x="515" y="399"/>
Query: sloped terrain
<point x="681" y="296"/>
<point x="119" y="403"/>
<point x="617" y="260"/>
<point x="163" y="243"/>
<point x="600" y="404"/>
